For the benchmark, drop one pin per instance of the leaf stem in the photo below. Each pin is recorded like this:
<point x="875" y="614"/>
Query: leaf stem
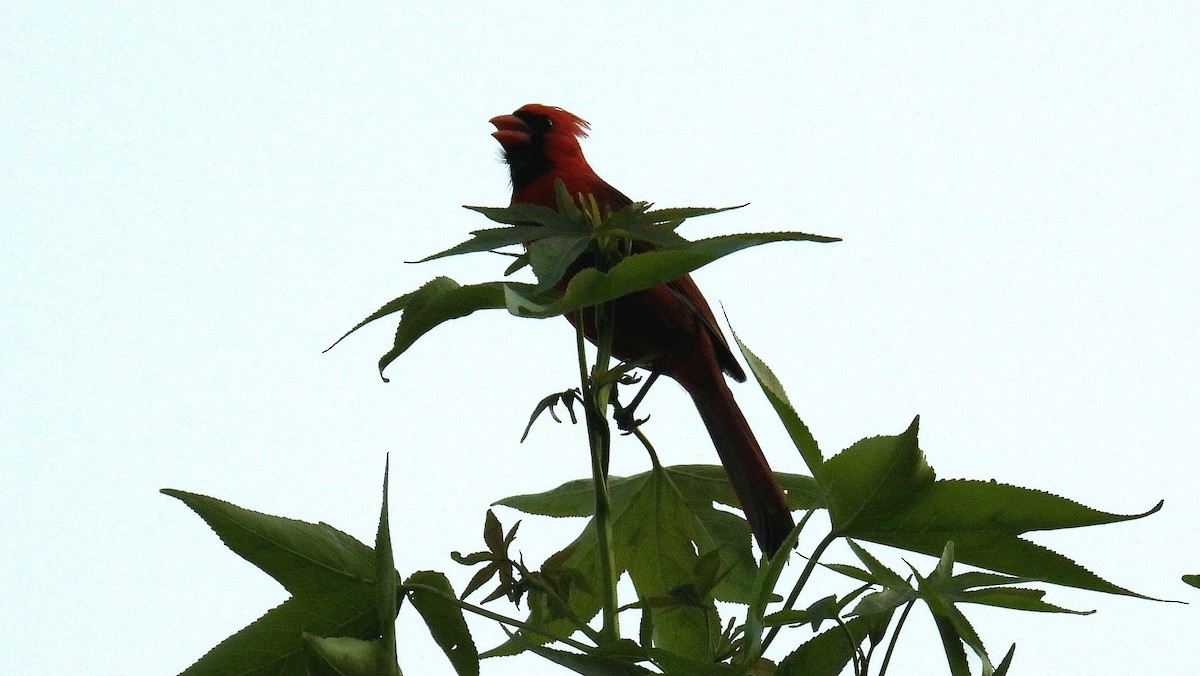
<point x="887" y="656"/>
<point x="641" y="436"/>
<point x="551" y="592"/>
<point x="857" y="656"/>
<point x="808" y="570"/>
<point x="502" y="619"/>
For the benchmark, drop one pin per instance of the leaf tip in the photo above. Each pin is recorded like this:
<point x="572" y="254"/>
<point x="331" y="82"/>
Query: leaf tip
<point x="1153" y="509"/>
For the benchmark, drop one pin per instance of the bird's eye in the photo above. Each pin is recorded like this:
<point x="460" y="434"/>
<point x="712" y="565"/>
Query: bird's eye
<point x="537" y="123"/>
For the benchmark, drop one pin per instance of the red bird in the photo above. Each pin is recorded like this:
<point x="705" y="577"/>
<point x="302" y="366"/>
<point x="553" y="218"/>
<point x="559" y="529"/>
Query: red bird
<point x="670" y="327"/>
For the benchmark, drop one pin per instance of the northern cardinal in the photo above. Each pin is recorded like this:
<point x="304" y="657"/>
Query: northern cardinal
<point x="668" y="328"/>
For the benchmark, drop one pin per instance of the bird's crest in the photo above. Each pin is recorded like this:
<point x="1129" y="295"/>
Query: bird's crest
<point x="562" y="120"/>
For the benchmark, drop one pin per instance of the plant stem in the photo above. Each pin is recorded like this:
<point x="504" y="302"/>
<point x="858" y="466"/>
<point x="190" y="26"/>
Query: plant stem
<point x="484" y="612"/>
<point x="887" y="657"/>
<point x="808" y="570"/>
<point x="654" y="462"/>
<point x="552" y="593"/>
<point x="600" y="439"/>
<point x="857" y="655"/>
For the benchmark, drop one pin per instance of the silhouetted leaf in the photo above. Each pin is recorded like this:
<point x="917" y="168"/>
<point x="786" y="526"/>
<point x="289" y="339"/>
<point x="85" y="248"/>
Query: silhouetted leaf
<point x="445" y="620"/>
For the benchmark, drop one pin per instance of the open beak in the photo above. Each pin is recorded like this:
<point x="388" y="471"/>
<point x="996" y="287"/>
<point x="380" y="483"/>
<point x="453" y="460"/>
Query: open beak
<point x="510" y="130"/>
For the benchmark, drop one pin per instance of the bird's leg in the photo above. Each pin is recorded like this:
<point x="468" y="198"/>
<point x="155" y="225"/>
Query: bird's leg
<point x="624" y="415"/>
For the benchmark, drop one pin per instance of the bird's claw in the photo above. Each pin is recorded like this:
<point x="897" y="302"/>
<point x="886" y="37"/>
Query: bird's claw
<point x="627" y="422"/>
<point x="629" y="379"/>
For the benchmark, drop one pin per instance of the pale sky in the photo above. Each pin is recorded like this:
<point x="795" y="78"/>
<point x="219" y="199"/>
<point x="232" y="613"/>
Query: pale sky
<point x="196" y="200"/>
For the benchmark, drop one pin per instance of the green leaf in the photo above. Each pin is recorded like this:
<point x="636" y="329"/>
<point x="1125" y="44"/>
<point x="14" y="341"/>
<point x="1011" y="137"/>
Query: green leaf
<point x="956" y="655"/>
<point x="978" y="578"/>
<point x="532" y="223"/>
<point x="391" y="307"/>
<point x="574" y="498"/>
<point x="385" y="589"/>
<point x="821" y="610"/>
<point x="988" y="589"/>
<point x="869" y="481"/>
<point x="330" y="574"/>
<point x="661" y="519"/>
<point x="1005" y="663"/>
<point x="589" y="665"/>
<point x="495" y="238"/>
<point x="301" y="556"/>
<point x="763" y="593"/>
<point x="574" y="572"/>
<point x="850" y="571"/>
<point x="555" y="240"/>
<point x="827" y="653"/>
<point x="681" y="665"/>
<point x="884" y="601"/>
<point x="565" y="201"/>
<point x="550" y="258"/>
<point x="1017" y="598"/>
<point x="657" y="228"/>
<point x="787" y="616"/>
<point x="272" y="645"/>
<point x="653" y="542"/>
<point x="342" y="656"/>
<point x="882" y="490"/>
<point x="701" y="485"/>
<point x="439" y="301"/>
<point x="942" y="590"/>
<point x="445" y="620"/>
<point x="938" y="591"/>
<point x="984" y="520"/>
<point x="796" y="429"/>
<point x="528" y="215"/>
<point x="669" y="215"/>
<point x="700" y="482"/>
<point x="1193" y="580"/>
<point x="642" y="271"/>
<point x="880" y="574"/>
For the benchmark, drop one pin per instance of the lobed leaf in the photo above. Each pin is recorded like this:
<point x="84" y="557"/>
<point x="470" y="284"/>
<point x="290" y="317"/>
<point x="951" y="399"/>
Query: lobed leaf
<point x="494" y="238"/>
<point x="642" y="271"/>
<point x="662" y="520"/>
<point x="445" y="621"/>
<point x="880" y="574"/>
<point x="869" y="481"/>
<point x="984" y="520"/>
<point x="698" y="482"/>
<point x="552" y="256"/>
<point x="827" y="653"/>
<point x="439" y="301"/>
<point x="272" y="644"/>
<point x="332" y="578"/>
<point x="525" y="214"/>
<point x="303" y="557"/>
<point x="1017" y="598"/>
<point x="588" y="665"/>
<point x="882" y="490"/>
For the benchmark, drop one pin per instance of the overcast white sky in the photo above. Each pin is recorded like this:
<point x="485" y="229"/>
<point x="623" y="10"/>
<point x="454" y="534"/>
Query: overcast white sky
<point x="196" y="200"/>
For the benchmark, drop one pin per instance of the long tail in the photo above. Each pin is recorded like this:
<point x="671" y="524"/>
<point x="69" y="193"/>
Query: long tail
<point x="753" y="481"/>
